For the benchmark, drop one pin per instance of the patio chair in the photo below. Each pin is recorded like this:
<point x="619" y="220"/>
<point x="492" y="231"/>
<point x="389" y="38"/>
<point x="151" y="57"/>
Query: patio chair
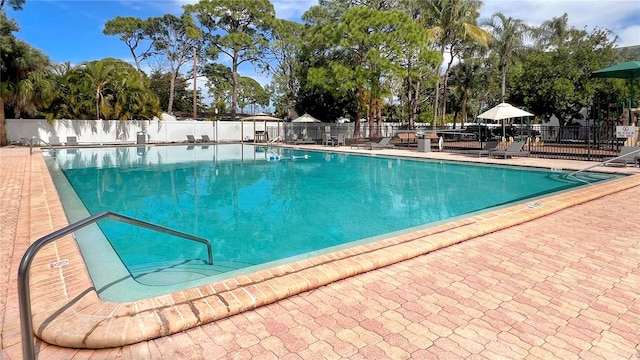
<point x="71" y="140"/>
<point x="382" y="144"/>
<point x="327" y="140"/>
<point x="515" y="149"/>
<point x="342" y="139"/>
<point x="628" y="155"/>
<point x="205" y="138"/>
<point x="488" y="147"/>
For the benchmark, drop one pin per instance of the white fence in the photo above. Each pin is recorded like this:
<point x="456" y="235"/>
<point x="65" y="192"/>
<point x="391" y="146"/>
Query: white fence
<point x="98" y="132"/>
<point x="135" y="131"/>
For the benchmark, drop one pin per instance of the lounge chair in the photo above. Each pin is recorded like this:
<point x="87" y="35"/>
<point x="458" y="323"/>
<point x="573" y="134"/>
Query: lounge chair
<point x="191" y="139"/>
<point x="205" y="138"/>
<point x="71" y="140"/>
<point x="382" y="144"/>
<point x="488" y="147"/>
<point x="515" y="149"/>
<point x="305" y="141"/>
<point x="628" y="155"/>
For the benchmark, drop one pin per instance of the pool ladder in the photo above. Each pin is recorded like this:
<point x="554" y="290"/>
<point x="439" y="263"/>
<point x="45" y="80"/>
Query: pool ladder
<point x="38" y="140"/>
<point x="24" y="297"/>
<point x="603" y="163"/>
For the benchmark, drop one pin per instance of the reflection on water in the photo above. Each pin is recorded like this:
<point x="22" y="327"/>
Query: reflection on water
<point x="259" y="204"/>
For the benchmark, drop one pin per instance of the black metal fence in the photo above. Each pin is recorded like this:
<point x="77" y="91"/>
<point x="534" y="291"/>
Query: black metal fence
<point x="571" y="142"/>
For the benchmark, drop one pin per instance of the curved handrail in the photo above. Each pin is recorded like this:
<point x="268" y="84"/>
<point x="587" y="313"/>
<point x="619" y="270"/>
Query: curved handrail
<point x="604" y="162"/>
<point x="24" y="296"/>
<point x="39" y="141"/>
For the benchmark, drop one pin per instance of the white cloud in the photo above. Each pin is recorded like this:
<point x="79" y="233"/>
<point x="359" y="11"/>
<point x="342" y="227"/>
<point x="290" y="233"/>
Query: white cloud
<point x="629" y="36"/>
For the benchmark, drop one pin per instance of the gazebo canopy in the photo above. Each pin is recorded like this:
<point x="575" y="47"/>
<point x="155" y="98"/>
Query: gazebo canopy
<point x="306" y="118"/>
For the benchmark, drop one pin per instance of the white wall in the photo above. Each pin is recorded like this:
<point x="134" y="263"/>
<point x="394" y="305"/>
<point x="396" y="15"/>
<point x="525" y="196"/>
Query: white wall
<point x="98" y="132"/>
<point x="125" y="132"/>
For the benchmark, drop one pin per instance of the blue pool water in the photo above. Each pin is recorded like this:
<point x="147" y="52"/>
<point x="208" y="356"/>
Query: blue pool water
<point x="257" y="205"/>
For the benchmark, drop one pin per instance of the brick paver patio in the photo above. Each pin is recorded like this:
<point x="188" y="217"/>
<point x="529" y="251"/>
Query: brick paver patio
<point x="562" y="286"/>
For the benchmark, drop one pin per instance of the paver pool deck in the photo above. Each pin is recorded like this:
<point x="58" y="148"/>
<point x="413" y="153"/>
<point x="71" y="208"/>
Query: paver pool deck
<point x="559" y="280"/>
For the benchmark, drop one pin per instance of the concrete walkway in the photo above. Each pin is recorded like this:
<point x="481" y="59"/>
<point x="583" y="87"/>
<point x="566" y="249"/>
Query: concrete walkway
<point x="562" y="286"/>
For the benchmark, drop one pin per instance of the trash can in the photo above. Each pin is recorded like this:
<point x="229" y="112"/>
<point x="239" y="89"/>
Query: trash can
<point x="424" y="145"/>
<point x="142" y="137"/>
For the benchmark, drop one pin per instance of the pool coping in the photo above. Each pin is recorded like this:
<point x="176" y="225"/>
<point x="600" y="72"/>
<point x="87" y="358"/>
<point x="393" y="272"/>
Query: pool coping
<point x="67" y="311"/>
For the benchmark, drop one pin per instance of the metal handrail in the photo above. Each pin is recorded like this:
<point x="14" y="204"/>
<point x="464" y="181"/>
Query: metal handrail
<point x="24" y="296"/>
<point x="39" y="141"/>
<point x="604" y="162"/>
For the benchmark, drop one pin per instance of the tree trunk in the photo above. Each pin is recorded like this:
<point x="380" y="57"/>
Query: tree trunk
<point x="436" y="101"/>
<point x="356" y="124"/>
<point x="379" y="121"/>
<point x="463" y="107"/>
<point x="371" y="116"/>
<point x="234" y="87"/>
<point x="3" y="125"/>
<point x="444" y="97"/>
<point x="504" y="80"/>
<point x="172" y="86"/>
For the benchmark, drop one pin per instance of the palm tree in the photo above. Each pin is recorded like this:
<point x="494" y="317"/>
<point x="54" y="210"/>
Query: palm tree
<point x="450" y="22"/>
<point x="508" y="40"/>
<point x="552" y="33"/>
<point x="25" y="85"/>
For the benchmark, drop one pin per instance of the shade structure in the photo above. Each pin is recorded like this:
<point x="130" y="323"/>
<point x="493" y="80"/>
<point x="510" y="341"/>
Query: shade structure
<point x="503" y="111"/>
<point x="626" y="70"/>
<point x="306" y="118"/>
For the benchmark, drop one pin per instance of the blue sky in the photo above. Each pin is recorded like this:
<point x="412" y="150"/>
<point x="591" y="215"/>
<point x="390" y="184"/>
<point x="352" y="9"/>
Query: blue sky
<point x="71" y="30"/>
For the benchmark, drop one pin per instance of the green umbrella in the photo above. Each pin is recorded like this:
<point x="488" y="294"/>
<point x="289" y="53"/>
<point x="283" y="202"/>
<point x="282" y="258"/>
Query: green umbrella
<point x="627" y="70"/>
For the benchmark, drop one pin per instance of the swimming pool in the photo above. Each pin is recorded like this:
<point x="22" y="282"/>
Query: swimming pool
<point x="262" y="206"/>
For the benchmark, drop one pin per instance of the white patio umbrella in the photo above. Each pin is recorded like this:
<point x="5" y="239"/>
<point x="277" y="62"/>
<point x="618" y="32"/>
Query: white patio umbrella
<point x="306" y="118"/>
<point x="503" y="111"/>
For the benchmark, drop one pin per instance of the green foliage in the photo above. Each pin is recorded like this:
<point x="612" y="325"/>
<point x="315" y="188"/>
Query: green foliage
<point x="251" y="93"/>
<point x="160" y="84"/>
<point x="107" y="89"/>
<point x="135" y="33"/>
<point x="15" y="4"/>
<point x="558" y="82"/>
<point x="235" y="28"/>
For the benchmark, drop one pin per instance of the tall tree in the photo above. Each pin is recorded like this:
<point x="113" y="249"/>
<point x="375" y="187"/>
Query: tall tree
<point x="24" y="81"/>
<point x="175" y="38"/>
<point x="219" y="79"/>
<point x="508" y="35"/>
<point x="558" y="82"/>
<point x="237" y="29"/>
<point x="252" y="94"/>
<point x="450" y="22"/>
<point x="135" y="33"/>
<point x="160" y="83"/>
<point x="378" y="39"/>
<point x="552" y="33"/>
<point x="282" y="61"/>
<point x="420" y="65"/>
